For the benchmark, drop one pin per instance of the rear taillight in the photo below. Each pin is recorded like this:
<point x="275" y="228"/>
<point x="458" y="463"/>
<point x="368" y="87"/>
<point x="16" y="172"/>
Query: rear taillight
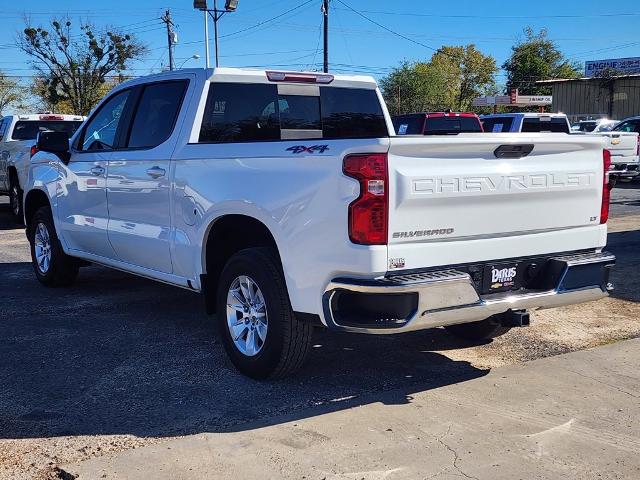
<point x="33" y="151"/>
<point x="606" y="186"/>
<point x="368" y="214"/>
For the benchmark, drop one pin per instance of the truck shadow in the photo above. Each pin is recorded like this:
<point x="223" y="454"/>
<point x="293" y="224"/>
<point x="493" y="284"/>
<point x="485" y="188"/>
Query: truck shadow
<point x="626" y="274"/>
<point x="6" y="221"/>
<point x="116" y="354"/>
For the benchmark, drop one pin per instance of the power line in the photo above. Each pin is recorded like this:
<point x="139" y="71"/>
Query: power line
<point x="497" y="17"/>
<point x="259" y="24"/>
<point x="387" y="28"/>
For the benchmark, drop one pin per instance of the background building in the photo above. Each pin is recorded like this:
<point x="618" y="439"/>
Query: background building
<point x="614" y="97"/>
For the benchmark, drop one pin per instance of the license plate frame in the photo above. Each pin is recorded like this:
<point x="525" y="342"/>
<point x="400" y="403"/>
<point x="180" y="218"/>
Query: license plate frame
<point x="501" y="277"/>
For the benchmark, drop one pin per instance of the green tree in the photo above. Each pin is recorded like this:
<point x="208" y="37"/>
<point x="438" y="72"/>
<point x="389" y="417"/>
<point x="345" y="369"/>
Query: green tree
<point x="469" y="74"/>
<point x="452" y="78"/>
<point x="74" y="69"/>
<point x="11" y="93"/>
<point x="413" y="87"/>
<point x="537" y="58"/>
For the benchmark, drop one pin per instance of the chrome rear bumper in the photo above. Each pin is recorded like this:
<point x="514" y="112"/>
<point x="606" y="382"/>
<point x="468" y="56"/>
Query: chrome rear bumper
<point x="449" y="297"/>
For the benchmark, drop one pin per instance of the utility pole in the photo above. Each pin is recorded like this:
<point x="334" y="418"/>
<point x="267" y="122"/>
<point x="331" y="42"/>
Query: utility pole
<point x="325" y="13"/>
<point x="215" y="28"/>
<point x="166" y="18"/>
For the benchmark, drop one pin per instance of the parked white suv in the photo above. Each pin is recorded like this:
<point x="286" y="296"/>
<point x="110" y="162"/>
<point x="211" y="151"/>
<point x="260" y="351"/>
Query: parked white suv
<point x="288" y="202"/>
<point x="17" y="143"/>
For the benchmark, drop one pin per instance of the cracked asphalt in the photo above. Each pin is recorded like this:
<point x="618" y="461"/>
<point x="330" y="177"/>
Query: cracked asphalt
<point x="117" y="362"/>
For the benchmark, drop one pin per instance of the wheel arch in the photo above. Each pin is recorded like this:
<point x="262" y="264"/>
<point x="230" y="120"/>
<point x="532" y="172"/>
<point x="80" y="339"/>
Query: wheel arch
<point x="34" y="200"/>
<point x="225" y="236"/>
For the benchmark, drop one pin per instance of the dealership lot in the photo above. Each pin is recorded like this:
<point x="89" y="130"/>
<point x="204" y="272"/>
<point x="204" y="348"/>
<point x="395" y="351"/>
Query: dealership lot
<point x="117" y="362"/>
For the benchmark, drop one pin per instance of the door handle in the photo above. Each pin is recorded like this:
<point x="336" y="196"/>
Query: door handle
<point x="97" y="170"/>
<point x="156" y="172"/>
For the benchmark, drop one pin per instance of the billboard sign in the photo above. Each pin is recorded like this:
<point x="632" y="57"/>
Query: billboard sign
<point x="624" y="66"/>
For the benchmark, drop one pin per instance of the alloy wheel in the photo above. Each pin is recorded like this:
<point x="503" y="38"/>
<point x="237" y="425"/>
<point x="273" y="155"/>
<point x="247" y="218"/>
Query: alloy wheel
<point x="42" y="247"/>
<point x="247" y="315"/>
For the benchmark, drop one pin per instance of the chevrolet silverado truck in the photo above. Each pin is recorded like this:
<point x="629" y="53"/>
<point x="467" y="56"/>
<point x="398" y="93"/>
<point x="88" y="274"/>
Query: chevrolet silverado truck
<point x="624" y="144"/>
<point x="288" y="202"/>
<point x="17" y="143"/>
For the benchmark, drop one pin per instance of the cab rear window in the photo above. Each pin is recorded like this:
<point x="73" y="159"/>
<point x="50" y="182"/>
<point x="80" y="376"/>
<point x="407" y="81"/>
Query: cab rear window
<point x="238" y="112"/>
<point x="536" y="125"/>
<point x="408" y="124"/>
<point x="497" y="125"/>
<point x="451" y="125"/>
<point x="29" y="129"/>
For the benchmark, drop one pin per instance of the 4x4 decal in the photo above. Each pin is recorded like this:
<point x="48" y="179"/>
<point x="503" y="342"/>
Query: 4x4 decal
<point x="305" y="149"/>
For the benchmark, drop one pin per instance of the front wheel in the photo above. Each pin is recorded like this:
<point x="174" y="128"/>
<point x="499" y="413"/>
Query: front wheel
<point x="53" y="267"/>
<point x="259" y="331"/>
<point x="478" y="331"/>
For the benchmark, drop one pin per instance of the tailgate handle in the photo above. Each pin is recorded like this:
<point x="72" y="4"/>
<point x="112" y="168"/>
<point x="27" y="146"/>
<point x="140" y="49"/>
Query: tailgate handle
<point x="513" y="151"/>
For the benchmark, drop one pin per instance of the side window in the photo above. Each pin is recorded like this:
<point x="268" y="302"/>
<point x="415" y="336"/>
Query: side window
<point x="4" y="123"/>
<point x="100" y="132"/>
<point x="157" y="113"/>
<point x="237" y="112"/>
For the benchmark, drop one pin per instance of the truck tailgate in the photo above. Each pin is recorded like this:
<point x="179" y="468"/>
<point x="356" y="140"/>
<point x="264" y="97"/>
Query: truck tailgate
<point x="451" y="200"/>
<point x="622" y="145"/>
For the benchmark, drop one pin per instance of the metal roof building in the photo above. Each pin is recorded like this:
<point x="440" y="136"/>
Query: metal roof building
<point x="614" y="97"/>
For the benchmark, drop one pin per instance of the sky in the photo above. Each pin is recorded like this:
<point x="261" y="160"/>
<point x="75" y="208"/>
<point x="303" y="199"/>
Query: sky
<point x="366" y="36"/>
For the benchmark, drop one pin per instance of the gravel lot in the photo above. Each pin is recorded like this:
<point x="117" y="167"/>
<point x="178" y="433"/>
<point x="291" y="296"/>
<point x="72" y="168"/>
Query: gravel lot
<point x="117" y="362"/>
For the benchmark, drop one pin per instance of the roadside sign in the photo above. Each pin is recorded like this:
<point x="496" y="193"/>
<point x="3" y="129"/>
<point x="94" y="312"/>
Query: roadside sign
<point x="518" y="100"/>
<point x="625" y="66"/>
<point x="534" y="100"/>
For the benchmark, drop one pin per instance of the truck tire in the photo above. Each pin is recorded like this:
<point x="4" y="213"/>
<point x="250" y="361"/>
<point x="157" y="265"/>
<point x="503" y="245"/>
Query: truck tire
<point x="477" y="331"/>
<point x="52" y="266"/>
<point x="259" y="331"/>
<point x="15" y="199"/>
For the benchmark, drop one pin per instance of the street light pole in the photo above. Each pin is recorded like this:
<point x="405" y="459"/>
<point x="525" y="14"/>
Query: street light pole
<point x="229" y="6"/>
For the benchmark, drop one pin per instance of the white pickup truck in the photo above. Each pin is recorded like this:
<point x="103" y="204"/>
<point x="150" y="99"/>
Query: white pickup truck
<point x="288" y="202"/>
<point x="17" y="140"/>
<point x="624" y="144"/>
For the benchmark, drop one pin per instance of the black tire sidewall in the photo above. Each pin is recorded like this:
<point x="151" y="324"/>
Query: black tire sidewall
<point x="59" y="273"/>
<point x="13" y="182"/>
<point x="272" y="286"/>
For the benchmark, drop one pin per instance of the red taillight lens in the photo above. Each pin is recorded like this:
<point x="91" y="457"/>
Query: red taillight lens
<point x="606" y="187"/>
<point x="33" y="151"/>
<point x="368" y="214"/>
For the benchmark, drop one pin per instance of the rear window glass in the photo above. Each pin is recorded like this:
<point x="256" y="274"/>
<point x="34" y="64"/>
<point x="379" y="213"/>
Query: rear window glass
<point x="352" y="113"/>
<point x="554" y="125"/>
<point x="255" y="112"/>
<point x="497" y="125"/>
<point x="29" y="129"/>
<point x="156" y="114"/>
<point x="409" y="124"/>
<point x="299" y="112"/>
<point x="451" y="125"/>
